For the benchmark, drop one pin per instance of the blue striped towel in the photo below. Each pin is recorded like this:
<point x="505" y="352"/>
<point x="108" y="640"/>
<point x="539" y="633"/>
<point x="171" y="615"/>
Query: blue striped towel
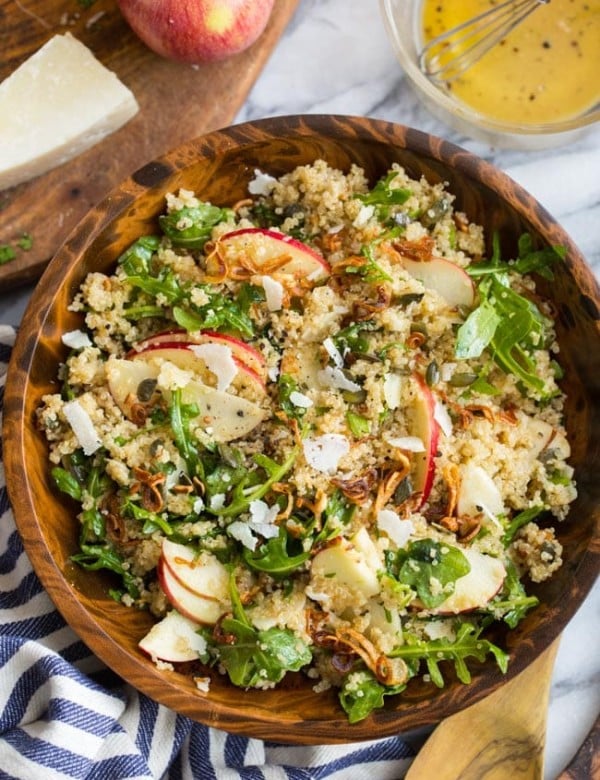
<point x="64" y="715"/>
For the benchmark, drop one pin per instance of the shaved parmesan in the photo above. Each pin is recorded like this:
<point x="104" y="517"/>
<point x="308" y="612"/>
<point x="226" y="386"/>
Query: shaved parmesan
<point x="442" y="418"/>
<point x="76" y="339"/>
<point x="82" y="426"/>
<point x="324" y="453"/>
<point x="241" y="531"/>
<point x="261" y="184"/>
<point x="273" y="293"/>
<point x="479" y="493"/>
<point x="300" y="400"/>
<point x="335" y="377"/>
<point x="407" y="443"/>
<point x="397" y="529"/>
<point x="333" y="352"/>
<point x="261" y="512"/>
<point x="219" y="361"/>
<point x="392" y="386"/>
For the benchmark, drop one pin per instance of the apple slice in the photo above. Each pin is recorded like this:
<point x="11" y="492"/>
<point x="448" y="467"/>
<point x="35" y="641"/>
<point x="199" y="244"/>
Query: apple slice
<point x="174" y="639"/>
<point x="444" y="277"/>
<point x="352" y="562"/>
<point x="424" y="426"/>
<point x="271" y="251"/>
<point x="226" y="367"/>
<point x="225" y="416"/>
<point x="124" y="378"/>
<point x="204" y="575"/>
<point x="476" y="588"/>
<point x="245" y="353"/>
<point x="202" y="610"/>
<point x="478" y="492"/>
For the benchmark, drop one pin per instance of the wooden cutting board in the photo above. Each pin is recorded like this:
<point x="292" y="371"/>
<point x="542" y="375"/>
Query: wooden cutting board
<point x="177" y="102"/>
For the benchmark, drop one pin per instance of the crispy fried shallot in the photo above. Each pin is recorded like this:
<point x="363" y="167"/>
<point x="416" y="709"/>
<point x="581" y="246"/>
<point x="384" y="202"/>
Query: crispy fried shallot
<point x="389" y="671"/>
<point x="149" y="485"/>
<point x="390" y="481"/>
<point x="420" y="250"/>
<point x="358" y="490"/>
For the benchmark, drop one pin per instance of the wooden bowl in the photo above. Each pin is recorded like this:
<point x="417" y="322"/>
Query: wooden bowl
<point x="218" y="166"/>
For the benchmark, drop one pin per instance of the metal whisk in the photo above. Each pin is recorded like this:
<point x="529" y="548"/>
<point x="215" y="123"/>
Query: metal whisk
<point x="455" y="51"/>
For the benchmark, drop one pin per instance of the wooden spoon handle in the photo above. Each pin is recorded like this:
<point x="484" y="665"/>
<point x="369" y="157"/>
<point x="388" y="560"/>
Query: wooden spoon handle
<point x="501" y="736"/>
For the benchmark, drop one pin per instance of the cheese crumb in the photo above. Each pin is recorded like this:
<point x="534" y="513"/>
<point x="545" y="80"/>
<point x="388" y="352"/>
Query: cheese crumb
<point x="82" y="426"/>
<point x="324" y="453"/>
<point x="219" y="361"/>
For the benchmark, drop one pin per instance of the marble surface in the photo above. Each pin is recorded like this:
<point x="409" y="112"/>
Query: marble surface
<point x="334" y="57"/>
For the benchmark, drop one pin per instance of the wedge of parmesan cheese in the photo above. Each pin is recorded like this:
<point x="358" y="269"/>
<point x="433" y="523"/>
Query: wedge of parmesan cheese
<point x="58" y="103"/>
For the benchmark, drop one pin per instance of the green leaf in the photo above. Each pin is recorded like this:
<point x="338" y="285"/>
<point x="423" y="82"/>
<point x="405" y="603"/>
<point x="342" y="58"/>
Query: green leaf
<point x="191" y="226"/>
<point x="274" y="558"/>
<point x="518" y="521"/>
<point x="361" y="693"/>
<point x="137" y="259"/>
<point x="477" y="331"/>
<point x="67" y="483"/>
<point x="286" y="385"/>
<point x="467" y="644"/>
<point x="512" y="603"/>
<point x="359" y="426"/>
<point x="429" y="567"/>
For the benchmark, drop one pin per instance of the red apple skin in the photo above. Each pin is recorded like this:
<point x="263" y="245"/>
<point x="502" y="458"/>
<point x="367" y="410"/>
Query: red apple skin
<point x="303" y="261"/>
<point x="169" y="350"/>
<point x="197" y="31"/>
<point x="243" y="352"/>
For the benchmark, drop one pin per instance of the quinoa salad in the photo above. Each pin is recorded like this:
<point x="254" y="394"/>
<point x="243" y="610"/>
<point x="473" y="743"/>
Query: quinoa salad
<point x="318" y="431"/>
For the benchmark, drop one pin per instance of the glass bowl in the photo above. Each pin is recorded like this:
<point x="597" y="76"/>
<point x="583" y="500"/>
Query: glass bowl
<point x="402" y="19"/>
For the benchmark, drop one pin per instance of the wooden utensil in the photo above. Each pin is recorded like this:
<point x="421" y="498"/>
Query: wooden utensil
<point x="501" y="736"/>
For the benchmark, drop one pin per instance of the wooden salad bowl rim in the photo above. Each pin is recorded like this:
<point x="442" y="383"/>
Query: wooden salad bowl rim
<point x="218" y="166"/>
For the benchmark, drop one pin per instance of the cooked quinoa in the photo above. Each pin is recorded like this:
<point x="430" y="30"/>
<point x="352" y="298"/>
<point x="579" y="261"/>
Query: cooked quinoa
<point x="319" y="430"/>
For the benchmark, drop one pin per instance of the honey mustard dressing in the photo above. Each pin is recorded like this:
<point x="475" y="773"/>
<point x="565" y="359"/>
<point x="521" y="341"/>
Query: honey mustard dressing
<point x="546" y="70"/>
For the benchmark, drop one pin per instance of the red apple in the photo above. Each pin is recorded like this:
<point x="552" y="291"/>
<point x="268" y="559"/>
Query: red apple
<point x="200" y="609"/>
<point x="224" y="415"/>
<point x="266" y="247"/>
<point x="203" y="575"/>
<point x="197" y="31"/>
<point x="242" y="351"/>
<point x="424" y="426"/>
<point x="444" y="277"/>
<point x="184" y="355"/>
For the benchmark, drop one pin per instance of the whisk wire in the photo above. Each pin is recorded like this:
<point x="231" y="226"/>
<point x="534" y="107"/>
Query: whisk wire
<point x="449" y="55"/>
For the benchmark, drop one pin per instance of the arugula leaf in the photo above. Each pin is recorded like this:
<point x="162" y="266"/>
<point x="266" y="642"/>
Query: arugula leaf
<point x="383" y="195"/>
<point x="274" y="558"/>
<point x="243" y="496"/>
<point x="518" y="521"/>
<point x="220" y="313"/>
<point x="511" y="326"/>
<point x="361" y="693"/>
<point x="180" y="415"/>
<point x="425" y="562"/>
<point x="254" y="657"/>
<point x="477" y="331"/>
<point x="191" y="226"/>
<point x="466" y="644"/>
<point x="137" y="259"/>
<point x="352" y="338"/>
<point x="513" y="603"/>
<point x="286" y="385"/>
